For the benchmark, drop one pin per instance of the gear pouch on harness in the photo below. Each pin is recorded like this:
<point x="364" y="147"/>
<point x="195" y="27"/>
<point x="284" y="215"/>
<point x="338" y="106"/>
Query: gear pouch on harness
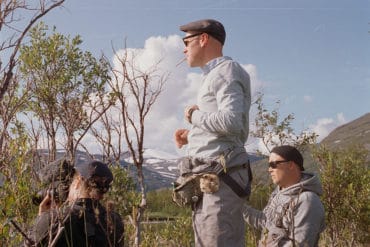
<point x="204" y="177"/>
<point x="193" y="182"/>
<point x="186" y="190"/>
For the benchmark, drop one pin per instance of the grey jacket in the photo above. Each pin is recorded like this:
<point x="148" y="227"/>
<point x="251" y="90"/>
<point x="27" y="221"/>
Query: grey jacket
<point x="222" y="122"/>
<point x="292" y="214"/>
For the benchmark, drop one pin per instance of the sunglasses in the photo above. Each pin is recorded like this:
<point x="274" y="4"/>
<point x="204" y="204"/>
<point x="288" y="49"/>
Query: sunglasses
<point x="100" y="184"/>
<point x="186" y="42"/>
<point x="273" y="164"/>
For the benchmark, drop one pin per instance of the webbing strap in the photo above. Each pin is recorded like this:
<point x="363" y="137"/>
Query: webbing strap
<point x="233" y="185"/>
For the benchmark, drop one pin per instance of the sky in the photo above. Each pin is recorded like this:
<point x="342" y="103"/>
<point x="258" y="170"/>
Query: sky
<point x="311" y="55"/>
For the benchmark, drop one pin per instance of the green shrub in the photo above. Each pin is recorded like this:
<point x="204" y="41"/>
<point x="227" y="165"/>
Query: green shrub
<point x="345" y="178"/>
<point x="122" y="192"/>
<point x="16" y="207"/>
<point x="160" y="204"/>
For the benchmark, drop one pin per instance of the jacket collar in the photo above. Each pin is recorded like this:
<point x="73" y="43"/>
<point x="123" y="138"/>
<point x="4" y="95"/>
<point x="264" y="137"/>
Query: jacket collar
<point x="213" y="63"/>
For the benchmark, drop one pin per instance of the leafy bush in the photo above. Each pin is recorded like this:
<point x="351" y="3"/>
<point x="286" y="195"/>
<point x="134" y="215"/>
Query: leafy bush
<point x="16" y="209"/>
<point x="170" y="225"/>
<point x="345" y="178"/>
<point x="160" y="204"/>
<point x="165" y="223"/>
<point x="122" y="193"/>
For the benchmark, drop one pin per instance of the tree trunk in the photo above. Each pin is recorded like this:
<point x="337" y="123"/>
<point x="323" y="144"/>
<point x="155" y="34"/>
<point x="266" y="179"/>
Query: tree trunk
<point x="141" y="208"/>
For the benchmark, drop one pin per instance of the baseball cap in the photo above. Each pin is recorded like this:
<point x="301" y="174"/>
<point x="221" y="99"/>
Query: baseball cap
<point x="289" y="153"/>
<point x="210" y="26"/>
<point x="94" y="168"/>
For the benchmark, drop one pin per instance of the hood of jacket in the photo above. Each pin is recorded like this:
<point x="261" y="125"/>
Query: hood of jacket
<point x="308" y="182"/>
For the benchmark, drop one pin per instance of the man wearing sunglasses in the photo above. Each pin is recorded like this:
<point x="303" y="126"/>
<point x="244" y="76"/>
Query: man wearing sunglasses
<point x="294" y="215"/>
<point x="219" y="129"/>
<point x="81" y="220"/>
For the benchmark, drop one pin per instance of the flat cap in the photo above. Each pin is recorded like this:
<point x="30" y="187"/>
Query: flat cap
<point x="209" y="26"/>
<point x="289" y="153"/>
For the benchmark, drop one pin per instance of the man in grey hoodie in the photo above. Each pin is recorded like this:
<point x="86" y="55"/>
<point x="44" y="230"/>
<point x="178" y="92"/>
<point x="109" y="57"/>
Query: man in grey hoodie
<point x="294" y="215"/>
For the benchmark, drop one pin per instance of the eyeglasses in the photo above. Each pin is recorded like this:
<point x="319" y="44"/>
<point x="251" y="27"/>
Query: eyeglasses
<point x="186" y="42"/>
<point x="273" y="164"/>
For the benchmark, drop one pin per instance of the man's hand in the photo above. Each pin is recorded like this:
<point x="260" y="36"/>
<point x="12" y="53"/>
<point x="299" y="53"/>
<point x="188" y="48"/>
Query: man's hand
<point x="45" y="204"/>
<point x="189" y="111"/>
<point x="181" y="137"/>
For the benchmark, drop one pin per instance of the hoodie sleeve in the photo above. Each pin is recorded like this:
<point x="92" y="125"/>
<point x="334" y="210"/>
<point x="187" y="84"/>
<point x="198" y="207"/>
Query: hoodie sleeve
<point x="308" y="220"/>
<point x="231" y="90"/>
<point x="231" y="114"/>
<point x="254" y="217"/>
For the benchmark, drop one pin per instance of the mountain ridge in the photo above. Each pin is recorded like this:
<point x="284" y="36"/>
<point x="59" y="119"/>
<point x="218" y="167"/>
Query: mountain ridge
<point x="355" y="132"/>
<point x="160" y="168"/>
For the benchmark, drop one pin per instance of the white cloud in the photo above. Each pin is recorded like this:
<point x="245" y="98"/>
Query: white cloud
<point x="256" y="84"/>
<point x="324" y="126"/>
<point x="341" y="118"/>
<point x="307" y="98"/>
<point x="179" y="91"/>
<point x="166" y="114"/>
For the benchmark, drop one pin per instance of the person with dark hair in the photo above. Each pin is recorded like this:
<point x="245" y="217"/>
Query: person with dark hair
<point x="219" y="129"/>
<point x="55" y="178"/>
<point x="294" y="214"/>
<point x="81" y="220"/>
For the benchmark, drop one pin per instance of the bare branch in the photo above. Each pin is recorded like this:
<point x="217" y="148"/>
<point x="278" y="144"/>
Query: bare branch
<point x="136" y="91"/>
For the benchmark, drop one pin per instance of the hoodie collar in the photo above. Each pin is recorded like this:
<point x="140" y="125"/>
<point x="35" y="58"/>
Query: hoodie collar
<point x="213" y="63"/>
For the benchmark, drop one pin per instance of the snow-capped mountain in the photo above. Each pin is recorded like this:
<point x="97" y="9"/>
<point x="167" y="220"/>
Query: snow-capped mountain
<point x="159" y="168"/>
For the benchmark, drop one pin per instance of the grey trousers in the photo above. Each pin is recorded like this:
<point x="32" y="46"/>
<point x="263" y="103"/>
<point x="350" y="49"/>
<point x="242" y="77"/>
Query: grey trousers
<point x="218" y="219"/>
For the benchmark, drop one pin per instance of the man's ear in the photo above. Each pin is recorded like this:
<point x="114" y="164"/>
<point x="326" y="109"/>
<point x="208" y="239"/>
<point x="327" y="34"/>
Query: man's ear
<point x="291" y="165"/>
<point x="204" y="39"/>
